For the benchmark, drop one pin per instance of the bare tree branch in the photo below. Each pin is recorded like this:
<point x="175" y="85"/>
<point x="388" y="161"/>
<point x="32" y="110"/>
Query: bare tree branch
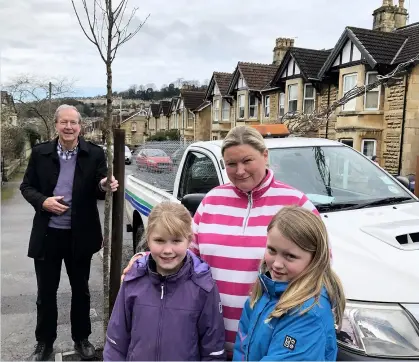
<point x="31" y="97"/>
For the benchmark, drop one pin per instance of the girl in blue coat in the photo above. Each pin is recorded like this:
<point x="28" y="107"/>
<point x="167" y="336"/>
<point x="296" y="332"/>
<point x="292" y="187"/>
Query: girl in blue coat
<point x="297" y="300"/>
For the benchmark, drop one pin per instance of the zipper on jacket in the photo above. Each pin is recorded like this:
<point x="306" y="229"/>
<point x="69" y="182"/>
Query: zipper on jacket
<point x="160" y="322"/>
<point x="249" y="209"/>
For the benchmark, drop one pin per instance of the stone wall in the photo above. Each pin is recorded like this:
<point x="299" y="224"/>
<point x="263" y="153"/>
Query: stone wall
<point x="393" y="118"/>
<point x="203" y="124"/>
<point x="324" y="101"/>
<point x="411" y="129"/>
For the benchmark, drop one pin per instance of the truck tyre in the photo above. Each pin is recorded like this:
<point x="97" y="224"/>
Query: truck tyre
<point x="139" y="240"/>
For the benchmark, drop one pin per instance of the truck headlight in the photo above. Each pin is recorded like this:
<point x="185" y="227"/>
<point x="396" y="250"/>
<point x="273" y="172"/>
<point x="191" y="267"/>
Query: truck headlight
<point x="375" y="329"/>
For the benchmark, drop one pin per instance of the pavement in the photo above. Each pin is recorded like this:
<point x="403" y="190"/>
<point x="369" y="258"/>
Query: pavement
<point x="18" y="284"/>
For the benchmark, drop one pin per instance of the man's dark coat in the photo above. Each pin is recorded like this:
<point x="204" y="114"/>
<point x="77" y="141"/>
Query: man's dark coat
<point x="39" y="182"/>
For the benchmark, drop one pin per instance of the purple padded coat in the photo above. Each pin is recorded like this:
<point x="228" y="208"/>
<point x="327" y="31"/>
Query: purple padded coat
<point x="155" y="318"/>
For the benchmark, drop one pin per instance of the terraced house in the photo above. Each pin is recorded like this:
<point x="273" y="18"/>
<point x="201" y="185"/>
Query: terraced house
<point x="221" y="104"/>
<point x="385" y="121"/>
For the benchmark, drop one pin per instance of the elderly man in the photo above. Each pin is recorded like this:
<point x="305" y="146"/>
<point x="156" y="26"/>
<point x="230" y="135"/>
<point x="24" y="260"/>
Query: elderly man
<point x="63" y="180"/>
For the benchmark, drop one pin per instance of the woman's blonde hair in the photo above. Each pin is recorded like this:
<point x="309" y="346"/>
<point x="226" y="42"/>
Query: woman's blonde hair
<point x="172" y="217"/>
<point x="244" y="135"/>
<point x="308" y="231"/>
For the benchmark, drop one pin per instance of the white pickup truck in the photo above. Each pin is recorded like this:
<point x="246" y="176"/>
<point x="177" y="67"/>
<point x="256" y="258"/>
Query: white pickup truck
<point x="372" y="219"/>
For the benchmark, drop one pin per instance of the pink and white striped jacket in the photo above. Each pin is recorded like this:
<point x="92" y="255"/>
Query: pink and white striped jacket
<point x="230" y="229"/>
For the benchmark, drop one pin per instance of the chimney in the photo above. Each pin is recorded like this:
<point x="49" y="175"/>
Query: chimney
<point x="282" y="45"/>
<point x="389" y="17"/>
<point x="401" y="15"/>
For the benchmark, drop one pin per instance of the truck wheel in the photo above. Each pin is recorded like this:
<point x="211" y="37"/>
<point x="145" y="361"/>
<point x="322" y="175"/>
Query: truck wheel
<point x="139" y="240"/>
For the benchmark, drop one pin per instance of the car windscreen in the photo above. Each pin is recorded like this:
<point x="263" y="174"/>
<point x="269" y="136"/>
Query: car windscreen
<point x="155" y="153"/>
<point x="334" y="176"/>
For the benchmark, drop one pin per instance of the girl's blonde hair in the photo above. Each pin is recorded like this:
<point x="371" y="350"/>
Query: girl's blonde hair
<point x="244" y="135"/>
<point x="172" y="217"/>
<point x="308" y="231"/>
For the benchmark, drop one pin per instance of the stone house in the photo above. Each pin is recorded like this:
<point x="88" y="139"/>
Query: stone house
<point x="174" y="114"/>
<point x="158" y="117"/>
<point x="203" y="120"/>
<point x="7" y="109"/>
<point x="164" y="116"/>
<point x="135" y="128"/>
<point x="187" y="103"/>
<point x="221" y="105"/>
<point x="246" y="85"/>
<point x="385" y="121"/>
<point x="295" y="87"/>
<point x="152" y="117"/>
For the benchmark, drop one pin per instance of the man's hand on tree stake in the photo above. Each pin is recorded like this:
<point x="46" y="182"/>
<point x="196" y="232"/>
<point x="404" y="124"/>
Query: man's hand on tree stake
<point x="113" y="185"/>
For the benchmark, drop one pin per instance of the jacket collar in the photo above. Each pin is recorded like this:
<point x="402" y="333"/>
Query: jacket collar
<point x="193" y="268"/>
<point x="260" y="190"/>
<point x="273" y="288"/>
<point x="51" y="147"/>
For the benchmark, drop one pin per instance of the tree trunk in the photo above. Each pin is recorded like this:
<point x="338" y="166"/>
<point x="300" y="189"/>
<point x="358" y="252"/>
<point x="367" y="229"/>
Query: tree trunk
<point x="108" y="200"/>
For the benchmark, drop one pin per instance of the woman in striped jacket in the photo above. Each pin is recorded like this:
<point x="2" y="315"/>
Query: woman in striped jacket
<point x="230" y="225"/>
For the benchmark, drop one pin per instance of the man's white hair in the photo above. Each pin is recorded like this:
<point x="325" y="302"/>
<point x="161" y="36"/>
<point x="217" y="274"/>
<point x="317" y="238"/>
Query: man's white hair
<point x="65" y="106"/>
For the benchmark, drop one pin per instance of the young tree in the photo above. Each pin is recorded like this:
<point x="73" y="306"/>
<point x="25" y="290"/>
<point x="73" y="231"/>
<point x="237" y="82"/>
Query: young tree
<point x="37" y="97"/>
<point x="107" y="27"/>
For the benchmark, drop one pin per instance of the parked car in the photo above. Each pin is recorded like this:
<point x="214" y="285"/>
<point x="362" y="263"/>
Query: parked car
<point x="154" y="159"/>
<point x="128" y="156"/>
<point x="372" y="220"/>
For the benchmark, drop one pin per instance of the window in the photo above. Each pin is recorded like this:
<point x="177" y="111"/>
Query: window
<point x="133" y="127"/>
<point x="349" y="82"/>
<point x="241" y="106"/>
<point x="281" y="104"/>
<point x="309" y="99"/>
<point x="226" y="111"/>
<point x="348" y="142"/>
<point x="369" y="148"/>
<point x="372" y="97"/>
<point x="198" y="176"/>
<point x="190" y="120"/>
<point x="253" y="106"/>
<point x="214" y="138"/>
<point x="292" y="97"/>
<point x="267" y="106"/>
<point x="216" y="110"/>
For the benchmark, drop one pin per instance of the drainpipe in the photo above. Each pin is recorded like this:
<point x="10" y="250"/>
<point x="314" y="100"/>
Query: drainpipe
<point x="406" y="88"/>
<point x="328" y="105"/>
<point x="194" y="124"/>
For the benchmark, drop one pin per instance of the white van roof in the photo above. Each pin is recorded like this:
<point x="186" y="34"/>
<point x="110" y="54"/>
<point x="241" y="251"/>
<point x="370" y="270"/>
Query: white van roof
<point x="282" y="142"/>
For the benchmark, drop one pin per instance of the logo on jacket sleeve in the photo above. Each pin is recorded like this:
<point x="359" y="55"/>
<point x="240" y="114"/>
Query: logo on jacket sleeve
<point x="290" y="343"/>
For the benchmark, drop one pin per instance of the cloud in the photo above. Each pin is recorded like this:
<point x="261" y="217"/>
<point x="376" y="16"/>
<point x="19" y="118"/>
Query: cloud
<point x="181" y="39"/>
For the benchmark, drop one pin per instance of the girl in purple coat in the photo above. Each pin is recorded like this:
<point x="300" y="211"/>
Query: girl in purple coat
<point x="168" y="307"/>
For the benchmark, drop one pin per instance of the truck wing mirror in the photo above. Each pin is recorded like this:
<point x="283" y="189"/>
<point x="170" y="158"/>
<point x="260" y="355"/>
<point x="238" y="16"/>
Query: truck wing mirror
<point x="192" y="202"/>
<point x="404" y="181"/>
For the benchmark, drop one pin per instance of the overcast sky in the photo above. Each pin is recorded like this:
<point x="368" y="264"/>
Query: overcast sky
<point x="181" y="39"/>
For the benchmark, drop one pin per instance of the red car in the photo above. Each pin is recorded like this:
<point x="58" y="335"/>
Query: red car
<point x="154" y="160"/>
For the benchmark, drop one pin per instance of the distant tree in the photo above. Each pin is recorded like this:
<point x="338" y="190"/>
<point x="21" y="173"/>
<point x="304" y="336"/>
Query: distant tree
<point x="33" y="98"/>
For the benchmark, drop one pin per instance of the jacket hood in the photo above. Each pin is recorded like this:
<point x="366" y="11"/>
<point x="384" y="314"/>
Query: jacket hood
<point x="194" y="268"/>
